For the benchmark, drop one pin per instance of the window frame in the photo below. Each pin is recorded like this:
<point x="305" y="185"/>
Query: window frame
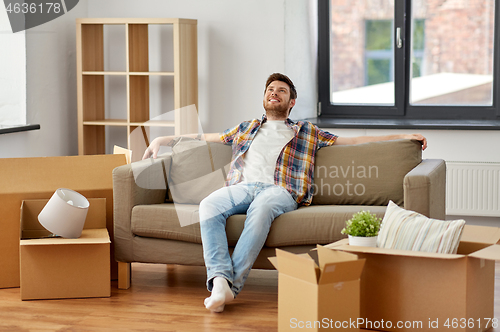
<point x="402" y="108"/>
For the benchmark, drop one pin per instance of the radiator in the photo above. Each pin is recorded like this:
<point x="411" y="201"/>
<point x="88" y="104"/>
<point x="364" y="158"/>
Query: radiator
<point x="473" y="189"/>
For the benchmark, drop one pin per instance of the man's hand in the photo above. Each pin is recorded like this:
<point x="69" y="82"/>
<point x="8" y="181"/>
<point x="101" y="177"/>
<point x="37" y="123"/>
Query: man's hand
<point x="420" y="138"/>
<point x="154" y="147"/>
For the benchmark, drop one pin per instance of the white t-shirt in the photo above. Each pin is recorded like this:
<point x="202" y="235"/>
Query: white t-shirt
<point x="262" y="155"/>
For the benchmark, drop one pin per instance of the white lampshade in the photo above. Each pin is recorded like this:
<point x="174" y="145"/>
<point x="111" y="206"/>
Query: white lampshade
<point x="65" y="213"/>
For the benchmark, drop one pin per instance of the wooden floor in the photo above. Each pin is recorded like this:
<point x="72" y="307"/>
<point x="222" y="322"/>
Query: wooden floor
<point x="161" y="299"/>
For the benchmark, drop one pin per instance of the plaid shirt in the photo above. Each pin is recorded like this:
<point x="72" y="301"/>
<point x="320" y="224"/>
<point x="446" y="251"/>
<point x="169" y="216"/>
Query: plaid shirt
<point x="295" y="164"/>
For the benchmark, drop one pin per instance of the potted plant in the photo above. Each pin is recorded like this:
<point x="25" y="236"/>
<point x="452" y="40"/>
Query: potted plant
<point x="362" y="229"/>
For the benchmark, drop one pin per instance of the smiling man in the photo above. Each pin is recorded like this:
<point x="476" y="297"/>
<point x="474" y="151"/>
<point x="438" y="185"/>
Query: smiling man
<point x="271" y="173"/>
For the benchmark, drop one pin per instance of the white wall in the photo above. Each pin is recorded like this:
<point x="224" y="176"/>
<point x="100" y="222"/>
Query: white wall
<point x="50" y="90"/>
<point x="12" y="73"/>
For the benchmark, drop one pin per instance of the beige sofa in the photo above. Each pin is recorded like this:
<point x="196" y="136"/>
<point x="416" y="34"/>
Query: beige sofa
<point x="150" y="228"/>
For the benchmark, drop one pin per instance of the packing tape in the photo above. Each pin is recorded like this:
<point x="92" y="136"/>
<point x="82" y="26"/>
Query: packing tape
<point x="338" y="285"/>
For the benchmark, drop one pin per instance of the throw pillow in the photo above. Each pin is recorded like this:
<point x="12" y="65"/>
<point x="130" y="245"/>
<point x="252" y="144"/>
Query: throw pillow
<point x="197" y="169"/>
<point x="409" y="230"/>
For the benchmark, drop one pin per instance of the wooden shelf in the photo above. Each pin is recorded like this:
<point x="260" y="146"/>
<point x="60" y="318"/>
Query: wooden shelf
<point x="123" y="73"/>
<point x="154" y="123"/>
<point x="95" y="94"/>
<point x="121" y="21"/>
<point x="97" y="73"/>
<point x="152" y="73"/>
<point x="106" y="122"/>
<point x="124" y="123"/>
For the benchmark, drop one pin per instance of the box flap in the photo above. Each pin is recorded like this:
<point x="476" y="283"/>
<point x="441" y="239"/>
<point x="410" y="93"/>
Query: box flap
<point x="337" y="244"/>
<point x="480" y="234"/>
<point x="395" y="252"/>
<point x="490" y="253"/>
<point x="89" y="236"/>
<point x="341" y="271"/>
<point x="274" y="261"/>
<point x="42" y="174"/>
<point x="326" y="255"/>
<point x="297" y="266"/>
<point x="128" y="153"/>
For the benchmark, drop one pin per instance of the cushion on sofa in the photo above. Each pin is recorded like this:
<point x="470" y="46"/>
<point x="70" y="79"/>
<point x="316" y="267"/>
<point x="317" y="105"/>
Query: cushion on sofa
<point x="197" y="169"/>
<point x="364" y="174"/>
<point x="162" y="221"/>
<point x="306" y="226"/>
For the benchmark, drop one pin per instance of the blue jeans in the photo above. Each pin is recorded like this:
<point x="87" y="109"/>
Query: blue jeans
<point x="262" y="203"/>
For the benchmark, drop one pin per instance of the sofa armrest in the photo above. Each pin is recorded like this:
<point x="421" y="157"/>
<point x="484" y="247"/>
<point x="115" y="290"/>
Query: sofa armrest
<point x="139" y="183"/>
<point x="425" y="189"/>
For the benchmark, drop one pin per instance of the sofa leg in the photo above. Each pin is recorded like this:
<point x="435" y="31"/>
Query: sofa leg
<point x="124" y="275"/>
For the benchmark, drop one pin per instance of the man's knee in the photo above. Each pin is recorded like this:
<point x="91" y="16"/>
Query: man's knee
<point x="207" y="209"/>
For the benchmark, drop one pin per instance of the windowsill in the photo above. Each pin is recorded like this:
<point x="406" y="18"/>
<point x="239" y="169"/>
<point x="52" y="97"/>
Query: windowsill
<point x="326" y="122"/>
<point x="15" y="129"/>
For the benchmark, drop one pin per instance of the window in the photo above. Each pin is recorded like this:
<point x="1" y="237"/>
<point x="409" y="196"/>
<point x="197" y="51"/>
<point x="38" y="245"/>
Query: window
<point x="378" y="54"/>
<point x="408" y="59"/>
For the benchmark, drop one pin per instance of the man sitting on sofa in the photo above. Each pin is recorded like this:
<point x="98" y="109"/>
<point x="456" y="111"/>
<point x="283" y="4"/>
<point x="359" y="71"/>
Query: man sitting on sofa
<point x="271" y="173"/>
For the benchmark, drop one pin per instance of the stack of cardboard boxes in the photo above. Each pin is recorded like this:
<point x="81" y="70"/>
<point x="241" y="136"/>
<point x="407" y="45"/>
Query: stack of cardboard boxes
<point x="397" y="290"/>
<point x="27" y="179"/>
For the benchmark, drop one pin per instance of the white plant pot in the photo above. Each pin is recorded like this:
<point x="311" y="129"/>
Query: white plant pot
<point x="363" y="241"/>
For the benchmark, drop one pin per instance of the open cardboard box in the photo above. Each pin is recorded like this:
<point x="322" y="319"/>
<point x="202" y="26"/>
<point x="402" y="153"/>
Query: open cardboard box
<point x="426" y="291"/>
<point x="38" y="178"/>
<point x="56" y="268"/>
<point x="312" y="296"/>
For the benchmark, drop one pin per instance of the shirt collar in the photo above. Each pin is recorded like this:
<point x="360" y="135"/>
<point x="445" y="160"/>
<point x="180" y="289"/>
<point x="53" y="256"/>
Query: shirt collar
<point x="290" y="124"/>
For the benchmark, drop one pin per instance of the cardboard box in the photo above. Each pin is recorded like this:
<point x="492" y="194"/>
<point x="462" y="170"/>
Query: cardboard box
<point x="430" y="292"/>
<point x="57" y="268"/>
<point x="38" y="178"/>
<point x="313" y="297"/>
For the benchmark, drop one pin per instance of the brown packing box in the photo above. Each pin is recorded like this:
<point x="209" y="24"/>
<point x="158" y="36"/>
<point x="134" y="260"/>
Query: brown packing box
<point x="56" y="268"/>
<point x="312" y="297"/>
<point x="430" y="292"/>
<point x="38" y="178"/>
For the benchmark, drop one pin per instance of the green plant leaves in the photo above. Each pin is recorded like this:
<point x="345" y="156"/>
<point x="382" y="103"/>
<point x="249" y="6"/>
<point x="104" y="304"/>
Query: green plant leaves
<point x="363" y="224"/>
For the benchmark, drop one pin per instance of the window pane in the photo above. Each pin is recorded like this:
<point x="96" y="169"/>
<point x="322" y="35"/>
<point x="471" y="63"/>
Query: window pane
<point x="362" y="54"/>
<point x="452" y="52"/>
<point x="378" y="71"/>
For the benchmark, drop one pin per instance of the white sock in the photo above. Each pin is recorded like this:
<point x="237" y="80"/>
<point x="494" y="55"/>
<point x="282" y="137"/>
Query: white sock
<point x="221" y="294"/>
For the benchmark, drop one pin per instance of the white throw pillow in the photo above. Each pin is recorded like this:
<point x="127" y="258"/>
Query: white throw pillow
<point x="409" y="230"/>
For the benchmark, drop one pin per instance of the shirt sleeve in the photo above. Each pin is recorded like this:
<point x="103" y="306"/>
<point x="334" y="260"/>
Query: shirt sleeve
<point x="228" y="135"/>
<point x="325" y="138"/>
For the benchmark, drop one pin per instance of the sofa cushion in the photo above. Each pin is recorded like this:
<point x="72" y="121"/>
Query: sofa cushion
<point x="314" y="224"/>
<point x="162" y="221"/>
<point x="197" y="169"/>
<point x="364" y="174"/>
<point x="320" y="224"/>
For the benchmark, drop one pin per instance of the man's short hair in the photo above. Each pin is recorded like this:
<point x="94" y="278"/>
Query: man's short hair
<point x="282" y="78"/>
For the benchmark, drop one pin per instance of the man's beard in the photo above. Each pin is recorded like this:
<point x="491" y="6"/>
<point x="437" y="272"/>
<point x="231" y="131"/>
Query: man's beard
<point x="280" y="110"/>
